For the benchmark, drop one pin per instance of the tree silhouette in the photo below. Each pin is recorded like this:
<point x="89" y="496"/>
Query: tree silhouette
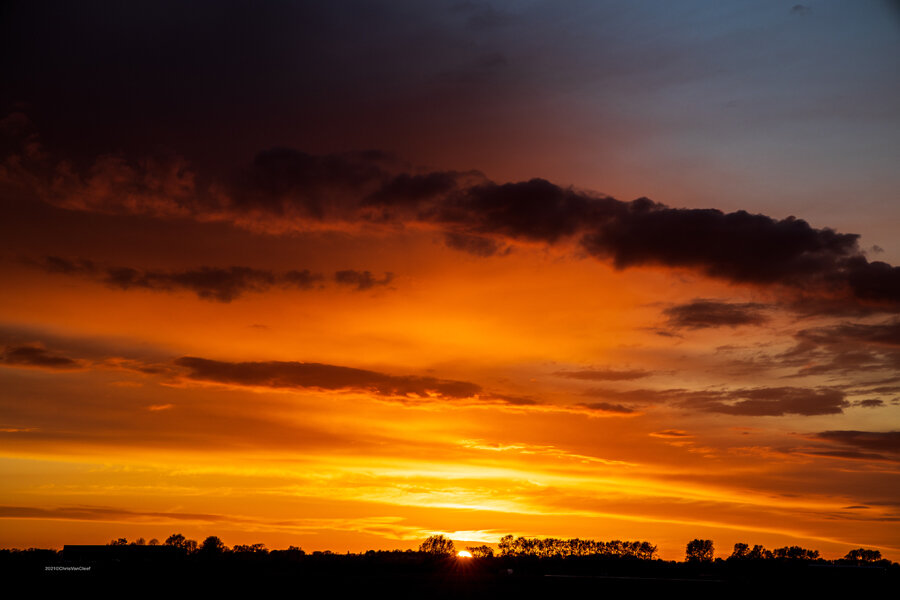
<point x="481" y="551"/>
<point x="699" y="550"/>
<point x="506" y="545"/>
<point x="740" y="551"/>
<point x="555" y="547"/>
<point x="438" y="545"/>
<point x="863" y="555"/>
<point x="795" y="553"/>
<point x="251" y="548"/>
<point x="759" y="552"/>
<point x="212" y="545"/>
<point x="179" y="541"/>
<point x="646" y="551"/>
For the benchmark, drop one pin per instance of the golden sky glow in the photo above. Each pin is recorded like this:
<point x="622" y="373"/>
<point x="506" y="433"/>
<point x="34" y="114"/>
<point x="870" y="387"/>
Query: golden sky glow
<point x="126" y="443"/>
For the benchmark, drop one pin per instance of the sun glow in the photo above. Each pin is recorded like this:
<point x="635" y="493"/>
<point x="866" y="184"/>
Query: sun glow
<point x="464" y="554"/>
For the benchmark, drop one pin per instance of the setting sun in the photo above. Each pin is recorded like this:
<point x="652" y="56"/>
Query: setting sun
<point x="464" y="554"/>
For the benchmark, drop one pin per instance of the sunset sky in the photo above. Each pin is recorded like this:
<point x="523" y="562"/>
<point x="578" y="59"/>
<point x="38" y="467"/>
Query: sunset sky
<point x="343" y="275"/>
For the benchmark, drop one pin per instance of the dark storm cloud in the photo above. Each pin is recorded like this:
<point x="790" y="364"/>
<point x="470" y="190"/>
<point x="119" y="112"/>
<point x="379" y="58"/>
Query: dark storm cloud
<point x="36" y="356"/>
<point x="869" y="403"/>
<point x="514" y="400"/>
<point x="222" y="285"/>
<point x="37" y="346"/>
<point x="879" y="441"/>
<point x="737" y="246"/>
<point x="880" y="334"/>
<point x="361" y="280"/>
<point x="271" y="374"/>
<point x="752" y="402"/>
<point x="285" y="189"/>
<point x="671" y="433"/>
<point x="876" y="280"/>
<point x="607" y="407"/>
<point x="700" y="314"/>
<point x="56" y="264"/>
<point x="209" y="283"/>
<point x="102" y="513"/>
<point x="534" y="210"/>
<point x="846" y="348"/>
<point x="303" y="280"/>
<point x="279" y="374"/>
<point x="407" y="189"/>
<point x="605" y="374"/>
<point x="781" y="401"/>
<point x="849" y="455"/>
<point x="474" y="244"/>
<point x="282" y="178"/>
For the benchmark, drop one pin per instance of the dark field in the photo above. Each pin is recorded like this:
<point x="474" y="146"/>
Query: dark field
<point x="412" y="575"/>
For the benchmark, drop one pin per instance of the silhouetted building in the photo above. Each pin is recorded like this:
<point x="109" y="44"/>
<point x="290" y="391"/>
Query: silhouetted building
<point x="103" y="553"/>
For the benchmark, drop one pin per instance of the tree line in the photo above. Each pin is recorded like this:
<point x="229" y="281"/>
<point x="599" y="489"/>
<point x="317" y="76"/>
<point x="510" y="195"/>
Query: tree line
<point x="702" y="551"/>
<point x="561" y="548"/>
<point x="698" y="550"/>
<point x="210" y="545"/>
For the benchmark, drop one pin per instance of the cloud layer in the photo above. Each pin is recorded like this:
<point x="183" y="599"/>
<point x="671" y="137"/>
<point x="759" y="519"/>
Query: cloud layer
<point x="701" y="314"/>
<point x="750" y="402"/>
<point x="36" y="356"/>
<point x="209" y="283"/>
<point x="886" y="441"/>
<point x="295" y="375"/>
<point x="285" y="189"/>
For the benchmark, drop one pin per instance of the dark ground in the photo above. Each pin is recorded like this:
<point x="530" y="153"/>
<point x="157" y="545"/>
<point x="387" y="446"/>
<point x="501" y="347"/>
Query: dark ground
<point x="412" y="575"/>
